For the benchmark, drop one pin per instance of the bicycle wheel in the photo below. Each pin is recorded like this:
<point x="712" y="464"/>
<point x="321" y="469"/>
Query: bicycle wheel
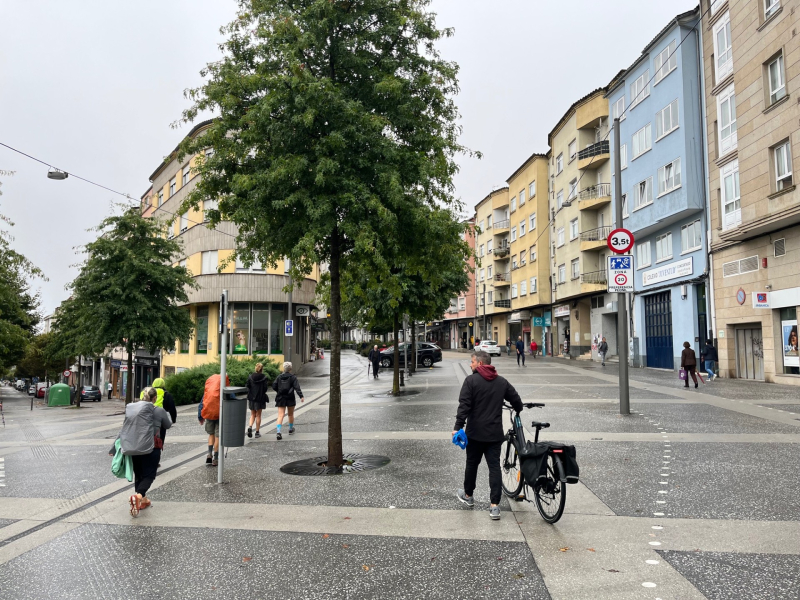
<point x="509" y="466"/>
<point x="551" y="494"/>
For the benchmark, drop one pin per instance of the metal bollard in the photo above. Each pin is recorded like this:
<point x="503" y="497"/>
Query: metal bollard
<point x="402" y="380"/>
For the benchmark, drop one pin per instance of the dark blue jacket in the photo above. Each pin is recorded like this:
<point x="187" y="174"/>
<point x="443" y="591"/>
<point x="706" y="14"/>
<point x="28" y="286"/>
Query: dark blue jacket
<point x="520" y="345"/>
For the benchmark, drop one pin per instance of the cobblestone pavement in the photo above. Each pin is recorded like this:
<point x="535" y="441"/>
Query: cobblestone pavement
<point x="692" y="495"/>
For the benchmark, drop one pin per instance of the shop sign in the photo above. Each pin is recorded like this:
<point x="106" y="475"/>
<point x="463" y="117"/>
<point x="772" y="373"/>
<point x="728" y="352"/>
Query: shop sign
<point x="761" y="300"/>
<point x="548" y="321"/>
<point x="302" y="311"/>
<point x="115" y="364"/>
<point x="791" y="356"/>
<point x="681" y="268"/>
<point x="538" y="321"/>
<point x="526" y="330"/>
<point x="561" y="311"/>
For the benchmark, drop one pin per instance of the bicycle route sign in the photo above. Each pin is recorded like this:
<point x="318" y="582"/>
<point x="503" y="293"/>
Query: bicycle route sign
<point x="620" y="274"/>
<point x="620" y="241"/>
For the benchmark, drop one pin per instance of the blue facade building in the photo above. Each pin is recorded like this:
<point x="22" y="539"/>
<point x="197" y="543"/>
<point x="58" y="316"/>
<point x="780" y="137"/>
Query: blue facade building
<point x="659" y="102"/>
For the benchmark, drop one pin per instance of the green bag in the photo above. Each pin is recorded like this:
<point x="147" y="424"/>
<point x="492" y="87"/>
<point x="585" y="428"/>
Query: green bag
<point x="121" y="465"/>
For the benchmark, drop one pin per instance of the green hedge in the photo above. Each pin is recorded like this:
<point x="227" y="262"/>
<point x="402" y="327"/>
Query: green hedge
<point x="187" y="387"/>
<point x="367" y="346"/>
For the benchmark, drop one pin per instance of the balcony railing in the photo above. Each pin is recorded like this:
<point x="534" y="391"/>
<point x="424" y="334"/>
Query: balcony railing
<point x="594" y="277"/>
<point x="502" y="303"/>
<point x="596" y="191"/>
<point x="502" y="224"/>
<point x="502" y="277"/>
<point x="595" y="149"/>
<point x="502" y="251"/>
<point x="596" y="235"/>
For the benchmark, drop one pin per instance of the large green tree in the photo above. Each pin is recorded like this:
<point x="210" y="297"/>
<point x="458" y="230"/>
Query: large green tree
<point x="37" y="361"/>
<point x="128" y="293"/>
<point x="333" y="118"/>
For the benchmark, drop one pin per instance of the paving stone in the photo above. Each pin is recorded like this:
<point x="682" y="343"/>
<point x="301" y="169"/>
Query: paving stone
<point x="6" y="522"/>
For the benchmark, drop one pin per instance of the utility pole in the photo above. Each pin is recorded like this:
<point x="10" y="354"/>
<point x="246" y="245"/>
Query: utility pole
<point x="289" y="316"/>
<point x="622" y="306"/>
<point x="483" y="299"/>
<point x="223" y="367"/>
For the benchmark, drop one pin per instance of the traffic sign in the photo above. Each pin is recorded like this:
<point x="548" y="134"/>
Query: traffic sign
<point x="620" y="274"/>
<point x="116" y="364"/>
<point x="67" y="373"/>
<point x="289" y="328"/>
<point x="620" y="241"/>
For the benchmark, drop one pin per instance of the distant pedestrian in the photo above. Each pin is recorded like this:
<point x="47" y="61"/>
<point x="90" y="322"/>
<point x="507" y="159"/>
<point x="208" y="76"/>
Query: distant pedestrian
<point x="689" y="363"/>
<point x="375" y="358"/>
<point x="520" y="346"/>
<point x="508" y="346"/>
<point x="709" y="356"/>
<point x="286" y="385"/>
<point x="534" y="348"/>
<point x="110" y="387"/>
<point x="602" y="350"/>
<point x="480" y="406"/>
<point x="257" y="399"/>
<point x="140" y="439"/>
<point x="208" y="415"/>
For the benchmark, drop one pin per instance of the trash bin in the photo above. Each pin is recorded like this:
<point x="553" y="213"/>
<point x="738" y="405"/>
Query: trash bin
<point x="58" y="395"/>
<point x="234" y="416"/>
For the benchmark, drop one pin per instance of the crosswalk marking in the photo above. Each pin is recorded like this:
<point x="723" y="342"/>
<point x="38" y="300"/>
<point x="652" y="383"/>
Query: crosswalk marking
<point x="2" y="472"/>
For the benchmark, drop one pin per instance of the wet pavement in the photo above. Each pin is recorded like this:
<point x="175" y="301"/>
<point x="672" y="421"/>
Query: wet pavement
<point x="680" y="499"/>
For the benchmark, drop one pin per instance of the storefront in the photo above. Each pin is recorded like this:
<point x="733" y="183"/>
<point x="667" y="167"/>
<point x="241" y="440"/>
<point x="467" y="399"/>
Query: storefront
<point x="519" y="326"/>
<point x="783" y="306"/>
<point x="561" y="341"/>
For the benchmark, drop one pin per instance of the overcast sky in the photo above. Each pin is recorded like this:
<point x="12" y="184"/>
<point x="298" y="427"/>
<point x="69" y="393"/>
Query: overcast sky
<point x="92" y="86"/>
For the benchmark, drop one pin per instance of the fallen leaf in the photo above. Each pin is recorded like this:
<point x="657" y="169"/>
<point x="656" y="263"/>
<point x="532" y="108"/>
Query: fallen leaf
<point x="247" y="559"/>
<point x="365" y="567"/>
<point x="499" y="558"/>
<point x="563" y="549"/>
<point x="590" y="549"/>
<point x="433" y="558"/>
<point x="325" y="536"/>
<point x="612" y="570"/>
<point x="519" y="576"/>
<point x="345" y="545"/>
<point x="347" y="518"/>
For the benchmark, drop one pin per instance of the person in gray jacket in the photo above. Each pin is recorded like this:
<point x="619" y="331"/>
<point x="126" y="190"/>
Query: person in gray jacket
<point x="140" y="438"/>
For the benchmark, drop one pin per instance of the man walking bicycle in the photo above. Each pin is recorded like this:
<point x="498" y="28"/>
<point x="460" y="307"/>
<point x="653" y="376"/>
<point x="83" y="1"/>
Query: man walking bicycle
<point x="480" y="406"/>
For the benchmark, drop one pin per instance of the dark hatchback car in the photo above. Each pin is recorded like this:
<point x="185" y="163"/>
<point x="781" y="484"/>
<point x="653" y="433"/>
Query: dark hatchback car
<point x="91" y="392"/>
<point x="427" y="355"/>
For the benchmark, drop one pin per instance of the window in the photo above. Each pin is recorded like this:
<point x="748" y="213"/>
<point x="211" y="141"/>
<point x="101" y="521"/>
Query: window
<point x="171" y="229"/>
<point x="715" y="4"/>
<point x="669" y="177"/>
<point x="573" y="229"/>
<point x="532" y="221"/>
<point x="255" y="267"/>
<point x="770" y="6"/>
<point x="624" y="205"/>
<point x="209" y="205"/>
<point x="667" y="120"/>
<point x="572" y="149"/>
<point x="514" y="290"/>
<point x="240" y="328"/>
<point x="209" y="153"/>
<point x="521" y="197"/>
<point x="522" y="258"/>
<point x="573" y="189"/>
<point x="184" y="347"/>
<point x="640" y="89"/>
<point x="560" y="237"/>
<point x="623" y="156"/>
<point x="522" y="228"/>
<point x="513" y="234"/>
<point x="643" y="193"/>
<point x="489" y="222"/>
<point x="559" y="163"/>
<point x="514" y="264"/>
<point x="489" y="246"/>
<point x="184" y="222"/>
<point x="513" y="204"/>
<point x="666" y="62"/>
<point x="723" y="51"/>
<point x="483" y="274"/>
<point x="523" y="288"/>
<point x="726" y="110"/>
<point x="533" y="285"/>
<point x="643" y="254"/>
<point x="462" y="304"/>
<point x="618" y="110"/>
<point x="691" y="237"/>
<point x="731" y="203"/>
<point x="480" y="225"/>
<point x="160" y="197"/>
<point x="783" y="166"/>
<point x="575" y="268"/>
<point x="489" y="271"/>
<point x="187" y="175"/>
<point x="533" y="253"/>
<point x="202" y="330"/>
<point x="641" y="141"/>
<point x="777" y="79"/>
<point x="209" y="262"/>
<point x="532" y="189"/>
<point x="491" y="294"/>
<point x="560" y="199"/>
<point x="562" y="273"/>
<point x="664" y="247"/>
<point x="172" y="187"/>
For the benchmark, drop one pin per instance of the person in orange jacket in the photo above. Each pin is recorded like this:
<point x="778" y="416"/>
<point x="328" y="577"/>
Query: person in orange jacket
<point x="208" y="415"/>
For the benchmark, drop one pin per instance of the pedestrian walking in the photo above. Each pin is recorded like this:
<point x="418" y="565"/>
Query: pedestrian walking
<point x="375" y="358"/>
<point x="709" y="357"/>
<point x="286" y="385"/>
<point x="534" y="348"/>
<point x="602" y="350"/>
<point x="140" y="439"/>
<point x="480" y="406"/>
<point x="689" y="363"/>
<point x="508" y="346"/>
<point x="110" y="387"/>
<point x="520" y="346"/>
<point x="257" y="399"/>
<point x="208" y="415"/>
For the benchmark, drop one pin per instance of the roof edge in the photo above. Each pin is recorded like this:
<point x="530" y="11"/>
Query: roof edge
<point x="165" y="162"/>
<point x="528" y="161"/>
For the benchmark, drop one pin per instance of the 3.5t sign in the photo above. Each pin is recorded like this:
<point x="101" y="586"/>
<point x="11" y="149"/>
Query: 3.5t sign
<point x="620" y="241"/>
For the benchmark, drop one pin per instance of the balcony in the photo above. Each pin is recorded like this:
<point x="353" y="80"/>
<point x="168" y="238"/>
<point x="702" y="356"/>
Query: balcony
<point x="501" y="226"/>
<point x="594" y="281"/>
<point x="501" y="253"/>
<point x="501" y="279"/>
<point x="502" y="303"/>
<point x="594" y="155"/>
<point x="594" y="239"/>
<point x="594" y="197"/>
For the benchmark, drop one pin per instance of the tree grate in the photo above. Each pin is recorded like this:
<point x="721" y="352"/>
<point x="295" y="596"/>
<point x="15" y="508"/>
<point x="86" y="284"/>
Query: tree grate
<point x="354" y="463"/>
<point x="399" y="394"/>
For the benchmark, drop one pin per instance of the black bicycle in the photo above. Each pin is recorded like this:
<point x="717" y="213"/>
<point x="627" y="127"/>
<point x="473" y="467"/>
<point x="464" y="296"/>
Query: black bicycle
<point x="549" y="488"/>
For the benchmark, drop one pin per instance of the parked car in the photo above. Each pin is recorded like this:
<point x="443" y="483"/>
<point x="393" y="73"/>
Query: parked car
<point x="91" y="392"/>
<point x="31" y="390"/>
<point x="41" y="392"/>
<point x="427" y="355"/>
<point x="490" y="347"/>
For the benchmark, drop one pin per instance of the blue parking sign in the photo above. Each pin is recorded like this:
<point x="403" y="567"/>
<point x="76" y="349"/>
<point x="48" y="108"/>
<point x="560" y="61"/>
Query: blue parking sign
<point x="289" y="330"/>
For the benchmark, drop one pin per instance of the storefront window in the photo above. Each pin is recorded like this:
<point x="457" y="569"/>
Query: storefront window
<point x="240" y="324"/>
<point x="276" y="328"/>
<point x="260" y="329"/>
<point x="789" y="341"/>
<point x="184" y="345"/>
<point x="202" y="329"/>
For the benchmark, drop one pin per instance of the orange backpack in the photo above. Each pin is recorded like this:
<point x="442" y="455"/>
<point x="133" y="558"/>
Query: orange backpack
<point x="210" y="410"/>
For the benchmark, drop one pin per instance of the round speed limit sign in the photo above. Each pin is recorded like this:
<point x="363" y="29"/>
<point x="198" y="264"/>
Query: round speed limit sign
<point x="620" y="241"/>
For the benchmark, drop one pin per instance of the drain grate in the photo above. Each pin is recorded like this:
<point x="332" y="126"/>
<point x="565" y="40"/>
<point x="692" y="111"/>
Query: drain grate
<point x="355" y="463"/>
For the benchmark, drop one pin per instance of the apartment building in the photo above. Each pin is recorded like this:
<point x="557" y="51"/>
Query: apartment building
<point x="662" y="151"/>
<point x="258" y="306"/>
<point x="458" y="325"/>
<point x="528" y="208"/>
<point x="492" y="288"/>
<point x="752" y="81"/>
<point x="580" y="209"/>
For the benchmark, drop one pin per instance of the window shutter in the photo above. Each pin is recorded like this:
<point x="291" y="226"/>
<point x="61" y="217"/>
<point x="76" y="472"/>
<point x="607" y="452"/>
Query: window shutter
<point x="780" y="247"/>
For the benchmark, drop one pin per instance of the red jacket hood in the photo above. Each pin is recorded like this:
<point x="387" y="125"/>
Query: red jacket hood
<point x="488" y="372"/>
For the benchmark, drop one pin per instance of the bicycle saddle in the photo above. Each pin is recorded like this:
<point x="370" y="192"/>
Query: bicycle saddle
<point x="539" y="425"/>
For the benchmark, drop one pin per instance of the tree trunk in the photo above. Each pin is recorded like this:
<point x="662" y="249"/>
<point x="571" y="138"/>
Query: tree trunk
<point x="396" y="375"/>
<point x="129" y="376"/>
<point x="412" y="367"/>
<point x="335" y="404"/>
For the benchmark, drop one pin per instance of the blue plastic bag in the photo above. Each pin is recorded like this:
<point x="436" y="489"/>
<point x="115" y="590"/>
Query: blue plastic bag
<point x="460" y="439"/>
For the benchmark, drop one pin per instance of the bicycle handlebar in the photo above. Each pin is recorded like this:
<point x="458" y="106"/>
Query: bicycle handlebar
<point x="525" y="404"/>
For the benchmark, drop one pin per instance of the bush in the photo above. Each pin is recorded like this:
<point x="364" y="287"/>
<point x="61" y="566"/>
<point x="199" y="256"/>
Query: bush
<point x="187" y="387"/>
<point x="326" y="344"/>
<point x="365" y="347"/>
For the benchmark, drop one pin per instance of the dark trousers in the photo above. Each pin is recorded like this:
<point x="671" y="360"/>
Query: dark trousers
<point x="144" y="471"/>
<point x="375" y="366"/>
<point x="690" y="369"/>
<point x="475" y="452"/>
<point x="521" y="355"/>
<point x="109" y="394"/>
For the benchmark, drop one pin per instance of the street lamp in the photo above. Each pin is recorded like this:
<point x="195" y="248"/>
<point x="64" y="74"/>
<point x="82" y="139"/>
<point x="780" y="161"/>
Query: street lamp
<point x="57" y="174"/>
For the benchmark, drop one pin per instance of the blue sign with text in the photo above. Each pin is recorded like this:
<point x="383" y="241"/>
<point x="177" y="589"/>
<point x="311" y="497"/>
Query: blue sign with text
<point x="289" y="331"/>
